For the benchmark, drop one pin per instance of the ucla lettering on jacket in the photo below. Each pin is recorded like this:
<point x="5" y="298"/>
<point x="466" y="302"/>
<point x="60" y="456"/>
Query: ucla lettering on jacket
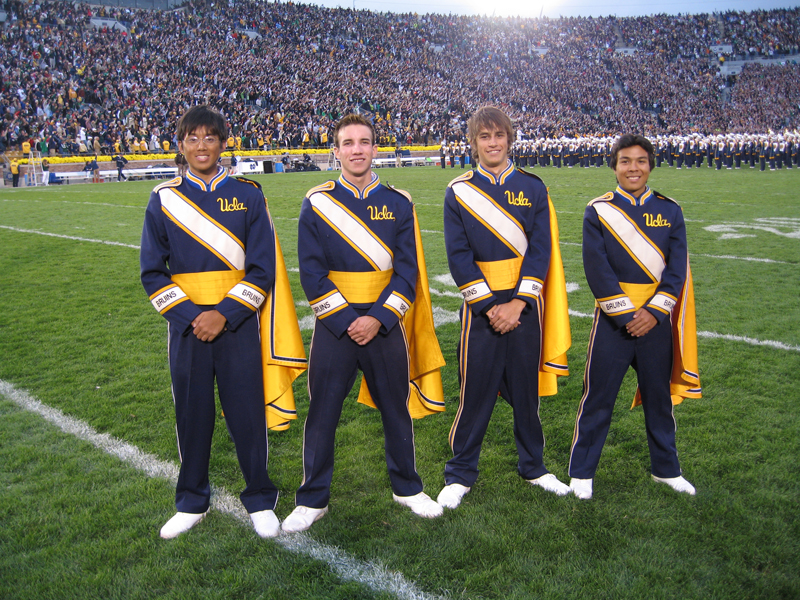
<point x="226" y="205"/>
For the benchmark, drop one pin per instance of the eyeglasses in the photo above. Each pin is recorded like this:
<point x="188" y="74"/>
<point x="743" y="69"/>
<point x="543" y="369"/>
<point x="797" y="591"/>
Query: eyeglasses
<point x="209" y="140"/>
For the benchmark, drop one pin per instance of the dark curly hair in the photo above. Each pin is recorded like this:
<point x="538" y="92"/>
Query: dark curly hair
<point x="632" y="139"/>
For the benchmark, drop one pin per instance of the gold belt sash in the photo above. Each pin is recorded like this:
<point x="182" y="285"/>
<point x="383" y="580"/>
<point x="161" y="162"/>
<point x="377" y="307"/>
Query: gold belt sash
<point x="361" y="287"/>
<point x="208" y="288"/>
<point x="639" y="293"/>
<point x="501" y="274"/>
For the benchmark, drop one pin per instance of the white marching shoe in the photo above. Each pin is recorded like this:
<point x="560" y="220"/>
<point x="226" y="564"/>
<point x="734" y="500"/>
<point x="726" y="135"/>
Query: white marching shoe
<point x="180" y="523"/>
<point x="302" y="518"/>
<point x="582" y="488"/>
<point x="679" y="484"/>
<point x="551" y="483"/>
<point x="421" y="504"/>
<point x="451" y="495"/>
<point x="265" y="523"/>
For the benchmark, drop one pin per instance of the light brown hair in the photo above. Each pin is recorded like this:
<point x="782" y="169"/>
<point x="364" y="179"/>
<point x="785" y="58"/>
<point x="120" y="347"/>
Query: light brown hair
<point x="489" y="118"/>
<point x="352" y="119"/>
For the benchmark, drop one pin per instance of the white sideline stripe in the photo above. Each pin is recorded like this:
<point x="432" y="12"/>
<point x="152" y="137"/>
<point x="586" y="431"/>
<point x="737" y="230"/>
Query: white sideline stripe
<point x="720" y="336"/>
<point x="748" y="340"/>
<point x="374" y="576"/>
<point x="716" y="203"/>
<point x="26" y="200"/>
<point x="69" y="237"/>
<point x="308" y="322"/>
<point x="750" y="258"/>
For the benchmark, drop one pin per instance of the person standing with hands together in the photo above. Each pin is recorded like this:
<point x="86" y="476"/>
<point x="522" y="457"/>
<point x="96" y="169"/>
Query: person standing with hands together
<point x="637" y="266"/>
<point x="210" y="261"/>
<point x="501" y="237"/>
<point x="362" y="269"/>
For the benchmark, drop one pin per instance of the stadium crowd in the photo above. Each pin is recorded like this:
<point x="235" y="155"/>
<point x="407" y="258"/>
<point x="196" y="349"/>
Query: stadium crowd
<point x="283" y="72"/>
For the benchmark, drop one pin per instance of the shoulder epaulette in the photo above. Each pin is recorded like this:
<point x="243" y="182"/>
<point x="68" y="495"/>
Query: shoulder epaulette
<point x="250" y="181"/>
<point x="529" y="174"/>
<point x="323" y="187"/>
<point x="663" y="197"/>
<point x="465" y="177"/>
<point x="403" y="193"/>
<point x="174" y="182"/>
<point x="604" y="198"/>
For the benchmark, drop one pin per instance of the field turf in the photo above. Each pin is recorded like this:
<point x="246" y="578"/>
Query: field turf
<point x="77" y="333"/>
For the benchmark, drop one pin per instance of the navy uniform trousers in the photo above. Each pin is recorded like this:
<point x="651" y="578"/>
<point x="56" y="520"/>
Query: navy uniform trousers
<point x="488" y="363"/>
<point x="333" y="365"/>
<point x="611" y="351"/>
<point x="235" y="360"/>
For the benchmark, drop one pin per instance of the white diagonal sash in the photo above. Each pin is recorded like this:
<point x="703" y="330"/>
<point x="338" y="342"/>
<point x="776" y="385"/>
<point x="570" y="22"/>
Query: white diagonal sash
<point x="502" y="225"/>
<point x="636" y="243"/>
<point x="353" y="231"/>
<point x="203" y="228"/>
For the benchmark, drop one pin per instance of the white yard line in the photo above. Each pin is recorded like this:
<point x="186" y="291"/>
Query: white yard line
<point x="375" y="576"/>
<point x="436" y="292"/>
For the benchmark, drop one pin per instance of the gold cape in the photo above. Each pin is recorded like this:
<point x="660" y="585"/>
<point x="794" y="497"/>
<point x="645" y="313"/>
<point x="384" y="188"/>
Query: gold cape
<point x="554" y="317"/>
<point x="282" y="351"/>
<point x="424" y="355"/>
<point x="685" y="379"/>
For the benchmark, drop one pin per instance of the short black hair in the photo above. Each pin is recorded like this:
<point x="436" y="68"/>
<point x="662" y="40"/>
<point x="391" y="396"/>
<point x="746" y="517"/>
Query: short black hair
<point x="202" y="115"/>
<point x="632" y="139"/>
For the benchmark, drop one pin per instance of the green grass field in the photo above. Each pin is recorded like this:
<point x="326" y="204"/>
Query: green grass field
<point x="77" y="333"/>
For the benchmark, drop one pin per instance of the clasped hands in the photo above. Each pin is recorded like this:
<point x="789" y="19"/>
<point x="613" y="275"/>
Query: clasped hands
<point x="505" y="317"/>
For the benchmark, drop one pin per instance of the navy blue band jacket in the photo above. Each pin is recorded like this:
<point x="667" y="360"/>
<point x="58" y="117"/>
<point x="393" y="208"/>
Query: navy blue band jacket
<point x="501" y="235"/>
<point x="635" y="255"/>
<point x="360" y="253"/>
<point x="213" y="245"/>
